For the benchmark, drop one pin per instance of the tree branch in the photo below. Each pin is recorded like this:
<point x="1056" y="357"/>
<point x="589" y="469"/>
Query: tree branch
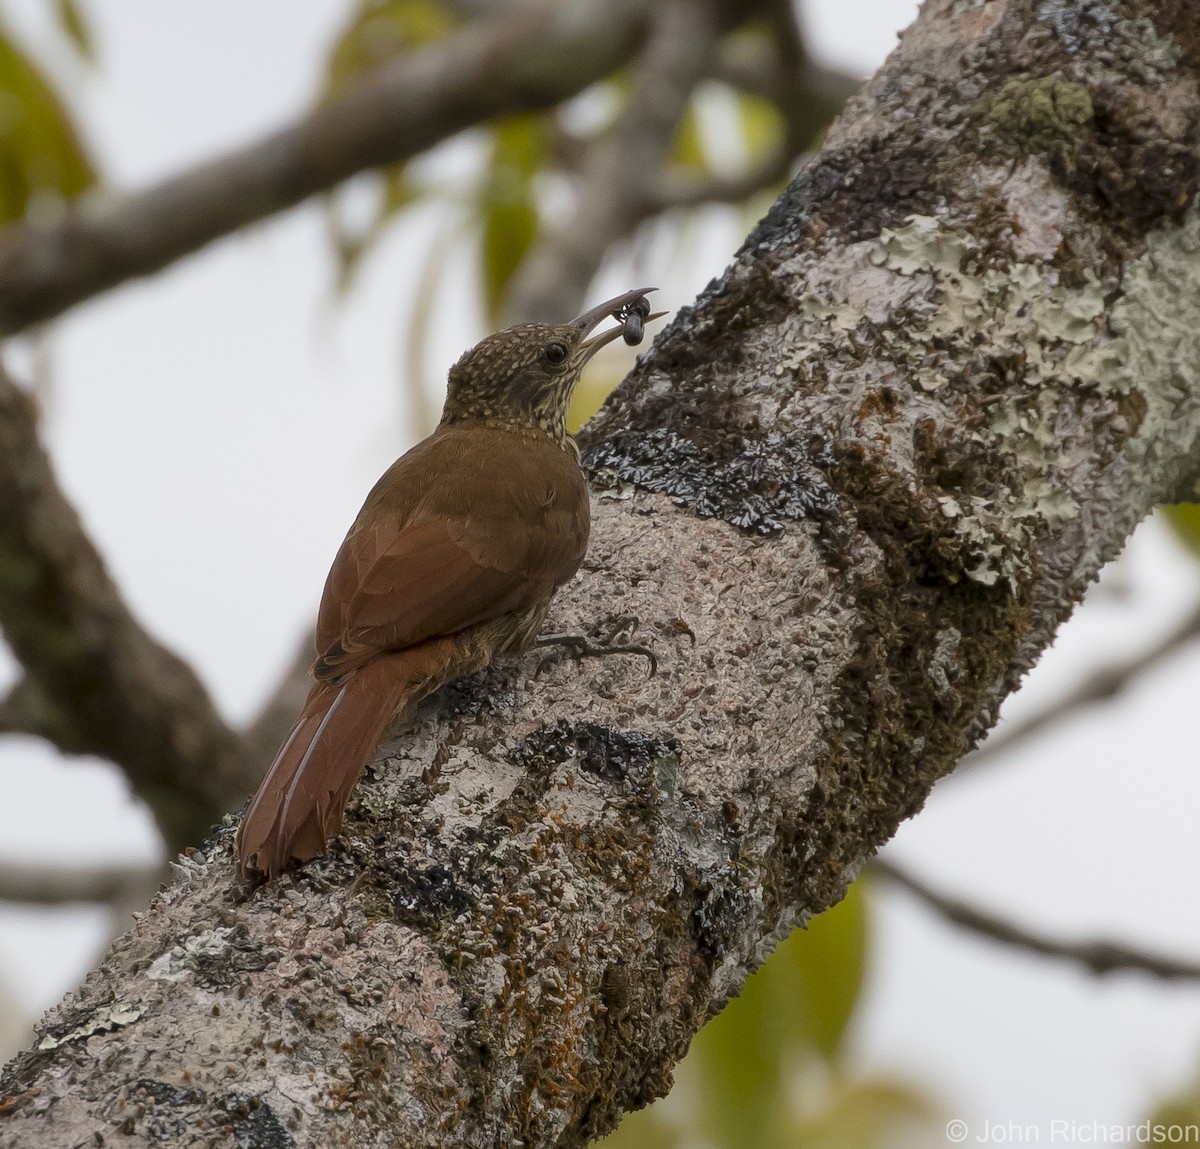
<point x="16" y="715"/>
<point x="676" y="191"/>
<point x="617" y="175"/>
<point x="1103" y="685"/>
<point x="520" y="58"/>
<point x="625" y="180"/>
<point x="779" y="69"/>
<point x="57" y="885"/>
<point x="850" y="494"/>
<point x="1097" y="957"/>
<point x="94" y="681"/>
<point x="262" y="737"/>
<point x="753" y="64"/>
<point x="807" y="94"/>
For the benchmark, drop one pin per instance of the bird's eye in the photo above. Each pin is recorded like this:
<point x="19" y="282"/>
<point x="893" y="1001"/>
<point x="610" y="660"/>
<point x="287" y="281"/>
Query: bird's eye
<point x="555" y="353"/>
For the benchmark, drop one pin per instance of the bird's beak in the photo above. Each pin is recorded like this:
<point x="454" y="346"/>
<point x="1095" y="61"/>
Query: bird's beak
<point x="602" y="311"/>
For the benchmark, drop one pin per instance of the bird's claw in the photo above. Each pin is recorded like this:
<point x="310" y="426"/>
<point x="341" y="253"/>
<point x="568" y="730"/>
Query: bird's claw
<point x="585" y="646"/>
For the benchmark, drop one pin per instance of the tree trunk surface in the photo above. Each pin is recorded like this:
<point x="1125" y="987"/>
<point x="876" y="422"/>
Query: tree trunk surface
<point x="848" y="496"/>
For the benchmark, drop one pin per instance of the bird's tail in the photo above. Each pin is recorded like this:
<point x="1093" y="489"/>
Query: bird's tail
<point x="299" y="804"/>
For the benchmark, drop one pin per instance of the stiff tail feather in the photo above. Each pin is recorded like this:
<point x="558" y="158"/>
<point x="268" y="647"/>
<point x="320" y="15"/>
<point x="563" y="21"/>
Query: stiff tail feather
<point x="299" y="804"/>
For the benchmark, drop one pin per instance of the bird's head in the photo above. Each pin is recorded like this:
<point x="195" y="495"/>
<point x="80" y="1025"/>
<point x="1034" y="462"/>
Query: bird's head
<point x="526" y="374"/>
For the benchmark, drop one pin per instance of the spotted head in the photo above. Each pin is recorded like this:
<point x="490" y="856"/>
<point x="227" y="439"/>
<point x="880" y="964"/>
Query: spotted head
<point x="526" y="374"/>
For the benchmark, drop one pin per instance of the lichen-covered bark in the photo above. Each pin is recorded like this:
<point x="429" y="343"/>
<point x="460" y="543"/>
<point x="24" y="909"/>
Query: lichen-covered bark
<point x="848" y="496"/>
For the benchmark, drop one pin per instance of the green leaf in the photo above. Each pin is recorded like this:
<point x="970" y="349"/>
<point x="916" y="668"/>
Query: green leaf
<point x="801" y="1001"/>
<point x="762" y="126"/>
<point x="864" y="1115"/>
<point x="398" y="193"/>
<point x="737" y="1057"/>
<point x="507" y="204"/>
<point x="644" y="1129"/>
<point x="687" y="146"/>
<point x="520" y="148"/>
<point x="74" y="26"/>
<point x="828" y="962"/>
<point x="508" y="232"/>
<point x="380" y="31"/>
<point x="1184" y="520"/>
<point x="1181" y="1109"/>
<point x="41" y="152"/>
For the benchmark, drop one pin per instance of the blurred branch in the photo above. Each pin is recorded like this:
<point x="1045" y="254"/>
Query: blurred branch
<point x="423" y="413"/>
<point x="515" y="59"/>
<point x="58" y="885"/>
<point x="777" y="69"/>
<point x="615" y="180"/>
<point x="262" y="737"/>
<point x="624" y="180"/>
<point x="808" y="95"/>
<point x="681" y="192"/>
<point x="1098" y="957"/>
<point x="94" y="681"/>
<point x="780" y="70"/>
<point x="1102" y="685"/>
<point x="16" y="717"/>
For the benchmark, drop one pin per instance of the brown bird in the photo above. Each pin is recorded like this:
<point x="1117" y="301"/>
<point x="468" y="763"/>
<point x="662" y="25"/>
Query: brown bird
<point x="453" y="559"/>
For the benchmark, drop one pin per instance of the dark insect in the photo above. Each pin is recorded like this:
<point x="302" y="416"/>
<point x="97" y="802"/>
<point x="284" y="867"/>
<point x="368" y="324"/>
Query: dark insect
<point x="633" y="315"/>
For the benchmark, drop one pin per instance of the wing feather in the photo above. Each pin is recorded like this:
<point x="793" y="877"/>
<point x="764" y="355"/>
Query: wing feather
<point x="413" y="571"/>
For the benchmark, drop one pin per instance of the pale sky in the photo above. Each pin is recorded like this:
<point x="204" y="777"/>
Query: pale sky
<point x="186" y="413"/>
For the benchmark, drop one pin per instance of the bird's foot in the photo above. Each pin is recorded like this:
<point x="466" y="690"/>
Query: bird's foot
<point x="598" y="645"/>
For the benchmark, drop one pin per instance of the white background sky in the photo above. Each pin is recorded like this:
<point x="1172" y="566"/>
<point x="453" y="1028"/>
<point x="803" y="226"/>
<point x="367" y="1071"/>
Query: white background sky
<point x="185" y="419"/>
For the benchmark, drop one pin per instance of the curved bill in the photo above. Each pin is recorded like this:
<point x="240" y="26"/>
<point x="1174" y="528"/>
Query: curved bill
<point x="602" y="311"/>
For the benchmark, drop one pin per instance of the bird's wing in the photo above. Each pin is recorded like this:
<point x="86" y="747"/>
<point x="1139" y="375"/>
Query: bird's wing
<point x="393" y="588"/>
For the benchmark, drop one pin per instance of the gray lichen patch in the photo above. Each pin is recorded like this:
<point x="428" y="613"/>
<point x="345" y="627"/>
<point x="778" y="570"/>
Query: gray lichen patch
<point x="211" y="957"/>
<point x="1039" y="210"/>
<point x="1151" y="356"/>
<point x="1035" y="321"/>
<point x="1102" y="102"/>
<point x="1106" y="32"/>
<point x="922" y="244"/>
<point x="101" y="1020"/>
<point x="1077" y="22"/>
<point x="1027" y="301"/>
<point x="943" y="667"/>
<point x="195" y="952"/>
<point x="844" y="285"/>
